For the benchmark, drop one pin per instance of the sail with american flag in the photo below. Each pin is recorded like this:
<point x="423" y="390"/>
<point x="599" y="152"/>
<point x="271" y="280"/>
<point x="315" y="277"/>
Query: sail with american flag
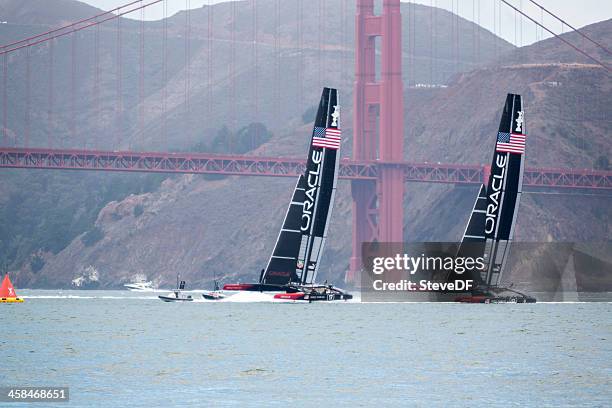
<point x="490" y="229"/>
<point x="299" y="246"/>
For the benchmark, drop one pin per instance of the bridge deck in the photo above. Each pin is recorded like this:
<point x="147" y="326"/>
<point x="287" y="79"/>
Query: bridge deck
<point x="206" y="163"/>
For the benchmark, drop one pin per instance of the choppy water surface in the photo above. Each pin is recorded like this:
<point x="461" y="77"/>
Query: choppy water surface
<point x="124" y="349"/>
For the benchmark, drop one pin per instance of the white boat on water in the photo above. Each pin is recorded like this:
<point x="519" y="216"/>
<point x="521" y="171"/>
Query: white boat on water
<point x="177" y="294"/>
<point x="142" y="286"/>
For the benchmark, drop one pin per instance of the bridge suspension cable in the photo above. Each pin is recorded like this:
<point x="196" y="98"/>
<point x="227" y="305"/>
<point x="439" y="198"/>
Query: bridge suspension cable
<point x="601" y="63"/>
<point x="72" y="28"/>
<point x="580" y="32"/>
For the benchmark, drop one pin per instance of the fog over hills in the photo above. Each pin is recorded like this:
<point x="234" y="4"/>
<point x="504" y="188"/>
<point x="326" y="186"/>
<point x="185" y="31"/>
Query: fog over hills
<point x="72" y="223"/>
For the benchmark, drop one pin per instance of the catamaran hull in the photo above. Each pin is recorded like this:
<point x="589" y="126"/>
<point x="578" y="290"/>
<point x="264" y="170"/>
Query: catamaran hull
<point x="256" y="287"/>
<point x="291" y="292"/>
<point x="495" y="299"/>
<point x="307" y="297"/>
<point x="495" y="295"/>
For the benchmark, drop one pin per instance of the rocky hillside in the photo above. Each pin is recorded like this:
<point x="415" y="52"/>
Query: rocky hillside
<point x="566" y="107"/>
<point x="225" y="74"/>
<point x="550" y="51"/>
<point x="44" y="12"/>
<point x="54" y="208"/>
<point x="566" y="103"/>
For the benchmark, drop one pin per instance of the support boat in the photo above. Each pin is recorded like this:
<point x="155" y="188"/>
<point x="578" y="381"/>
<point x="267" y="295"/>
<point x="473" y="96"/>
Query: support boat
<point x="177" y="294"/>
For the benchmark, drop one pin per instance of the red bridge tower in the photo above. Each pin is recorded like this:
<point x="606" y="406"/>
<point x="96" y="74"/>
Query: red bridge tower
<point x="378" y="213"/>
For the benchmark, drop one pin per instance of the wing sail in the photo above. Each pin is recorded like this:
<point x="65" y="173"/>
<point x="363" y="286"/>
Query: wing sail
<point x="473" y="241"/>
<point x="490" y="229"/>
<point x="300" y="243"/>
<point x="321" y="179"/>
<point x="504" y="188"/>
<point x="281" y="268"/>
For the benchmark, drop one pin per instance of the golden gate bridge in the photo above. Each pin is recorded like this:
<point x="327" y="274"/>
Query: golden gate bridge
<point x="377" y="170"/>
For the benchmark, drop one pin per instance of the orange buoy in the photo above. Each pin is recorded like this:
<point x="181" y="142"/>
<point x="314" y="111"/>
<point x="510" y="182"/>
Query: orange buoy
<point x="7" y="292"/>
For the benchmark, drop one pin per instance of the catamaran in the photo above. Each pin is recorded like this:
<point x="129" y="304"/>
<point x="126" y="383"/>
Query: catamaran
<point x="292" y="268"/>
<point x="490" y="229"/>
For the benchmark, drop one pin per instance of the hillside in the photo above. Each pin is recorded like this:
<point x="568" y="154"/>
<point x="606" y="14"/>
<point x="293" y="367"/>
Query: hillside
<point x="564" y="130"/>
<point x="54" y="207"/>
<point x="44" y="12"/>
<point x="229" y="235"/>
<point x="552" y="51"/>
<point x="201" y="226"/>
<point x="223" y="79"/>
<point x="567" y="105"/>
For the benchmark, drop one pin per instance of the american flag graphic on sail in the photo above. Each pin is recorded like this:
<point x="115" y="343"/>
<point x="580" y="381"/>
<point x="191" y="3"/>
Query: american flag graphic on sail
<point x="326" y="137"/>
<point x="510" y="142"/>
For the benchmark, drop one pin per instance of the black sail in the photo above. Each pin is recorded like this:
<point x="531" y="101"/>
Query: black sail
<point x="281" y="268"/>
<point x="473" y="241"/>
<point x="490" y="229"/>
<point x="300" y="244"/>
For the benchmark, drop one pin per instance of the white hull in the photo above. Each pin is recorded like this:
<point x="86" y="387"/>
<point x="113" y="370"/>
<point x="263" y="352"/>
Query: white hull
<point x="140" y="287"/>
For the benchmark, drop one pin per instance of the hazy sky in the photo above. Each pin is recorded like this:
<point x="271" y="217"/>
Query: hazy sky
<point x="577" y="13"/>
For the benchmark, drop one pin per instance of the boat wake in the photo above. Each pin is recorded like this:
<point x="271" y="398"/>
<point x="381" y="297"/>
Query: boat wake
<point x="88" y="297"/>
<point x="252" y="297"/>
<point x="246" y="297"/>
